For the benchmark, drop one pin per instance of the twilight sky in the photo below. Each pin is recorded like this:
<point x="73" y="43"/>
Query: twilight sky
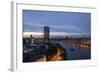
<point x="65" y="22"/>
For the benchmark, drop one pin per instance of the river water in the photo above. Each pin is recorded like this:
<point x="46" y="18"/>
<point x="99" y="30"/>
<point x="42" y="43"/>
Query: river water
<point x="76" y="53"/>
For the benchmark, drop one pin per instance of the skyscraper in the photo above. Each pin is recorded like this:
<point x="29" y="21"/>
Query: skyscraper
<point x="46" y="34"/>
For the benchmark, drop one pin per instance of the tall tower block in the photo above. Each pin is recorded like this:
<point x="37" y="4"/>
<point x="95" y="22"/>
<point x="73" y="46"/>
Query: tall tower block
<point x="46" y="34"/>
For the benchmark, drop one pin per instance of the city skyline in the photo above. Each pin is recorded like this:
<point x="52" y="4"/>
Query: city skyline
<point x="56" y="36"/>
<point x="59" y="22"/>
<point x="52" y="34"/>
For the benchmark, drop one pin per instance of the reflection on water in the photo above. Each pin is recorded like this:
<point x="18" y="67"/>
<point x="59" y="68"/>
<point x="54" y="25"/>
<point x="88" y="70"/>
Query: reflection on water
<point x="75" y="52"/>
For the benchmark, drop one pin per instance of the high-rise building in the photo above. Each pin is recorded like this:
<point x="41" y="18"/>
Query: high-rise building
<point x="46" y="34"/>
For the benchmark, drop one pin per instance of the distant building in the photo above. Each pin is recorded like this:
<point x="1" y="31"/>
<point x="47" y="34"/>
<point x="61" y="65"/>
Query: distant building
<point x="26" y="41"/>
<point x="32" y="39"/>
<point x="46" y="34"/>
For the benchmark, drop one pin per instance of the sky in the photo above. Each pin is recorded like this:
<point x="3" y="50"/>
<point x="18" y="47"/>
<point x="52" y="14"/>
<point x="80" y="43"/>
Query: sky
<point x="63" y="22"/>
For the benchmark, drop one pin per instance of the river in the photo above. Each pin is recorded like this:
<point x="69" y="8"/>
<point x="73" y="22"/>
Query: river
<point x="76" y="53"/>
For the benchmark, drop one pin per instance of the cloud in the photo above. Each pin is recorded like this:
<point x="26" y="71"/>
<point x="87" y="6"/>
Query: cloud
<point x="66" y="27"/>
<point x="39" y="27"/>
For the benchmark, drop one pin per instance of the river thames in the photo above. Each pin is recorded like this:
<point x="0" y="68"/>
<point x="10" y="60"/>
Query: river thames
<point x="75" y="52"/>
